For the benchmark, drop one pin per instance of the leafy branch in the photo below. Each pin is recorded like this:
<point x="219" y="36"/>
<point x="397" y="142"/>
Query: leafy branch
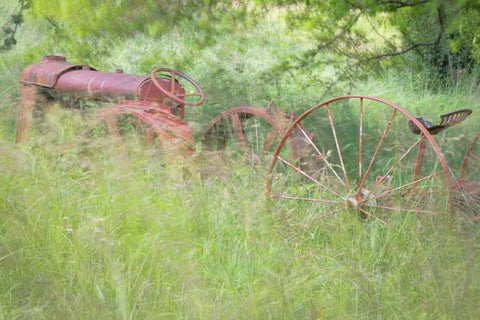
<point x="9" y="30"/>
<point x="343" y="47"/>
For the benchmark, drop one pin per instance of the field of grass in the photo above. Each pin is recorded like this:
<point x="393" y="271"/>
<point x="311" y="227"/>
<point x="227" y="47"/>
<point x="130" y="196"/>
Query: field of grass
<point x="91" y="229"/>
<point x="146" y="243"/>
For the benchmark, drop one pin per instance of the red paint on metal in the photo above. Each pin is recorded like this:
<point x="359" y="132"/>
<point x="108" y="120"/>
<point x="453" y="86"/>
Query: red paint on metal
<point x="46" y="72"/>
<point x="84" y="82"/>
<point x="28" y="99"/>
<point x="173" y="93"/>
<point x="419" y="160"/>
<point x="277" y="118"/>
<point x="105" y="86"/>
<point x="157" y="101"/>
<point x="172" y="131"/>
<point x="469" y="154"/>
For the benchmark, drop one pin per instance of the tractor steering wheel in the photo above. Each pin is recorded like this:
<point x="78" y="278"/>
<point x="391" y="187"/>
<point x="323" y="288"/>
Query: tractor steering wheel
<point x="179" y="97"/>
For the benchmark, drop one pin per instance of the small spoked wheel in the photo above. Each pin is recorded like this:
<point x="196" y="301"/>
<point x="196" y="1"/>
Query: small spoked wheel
<point x="358" y="156"/>
<point x="249" y="132"/>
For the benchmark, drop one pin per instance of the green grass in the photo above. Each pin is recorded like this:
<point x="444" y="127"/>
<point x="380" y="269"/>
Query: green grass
<point x="147" y="243"/>
<point x="152" y="238"/>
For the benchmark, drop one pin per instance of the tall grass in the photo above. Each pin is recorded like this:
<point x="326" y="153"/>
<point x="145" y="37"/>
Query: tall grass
<point x="146" y="244"/>
<point x="154" y="239"/>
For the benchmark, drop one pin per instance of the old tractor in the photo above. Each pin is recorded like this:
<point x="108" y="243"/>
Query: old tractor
<point x="347" y="153"/>
<point x="157" y="100"/>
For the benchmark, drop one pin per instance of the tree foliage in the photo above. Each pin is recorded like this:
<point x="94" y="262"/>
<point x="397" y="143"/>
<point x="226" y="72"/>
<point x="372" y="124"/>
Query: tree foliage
<point x="87" y="28"/>
<point x="9" y="30"/>
<point x="127" y="17"/>
<point x="353" y="37"/>
<point x="366" y="34"/>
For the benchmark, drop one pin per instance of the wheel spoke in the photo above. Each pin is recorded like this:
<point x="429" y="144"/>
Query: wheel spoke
<point x="469" y="154"/>
<point x="171" y="131"/>
<point x="309" y="177"/>
<point x="112" y="126"/>
<point x="368" y="214"/>
<point x="281" y="196"/>
<point x="269" y="139"/>
<point x="433" y="213"/>
<point x="406" y="153"/>
<point x="338" y="147"/>
<point x="323" y="158"/>
<point x="417" y="171"/>
<point x="412" y="183"/>
<point x="256" y="135"/>
<point x="246" y="129"/>
<point x="360" y="141"/>
<point x="238" y="132"/>
<point x="329" y="214"/>
<point x="377" y="149"/>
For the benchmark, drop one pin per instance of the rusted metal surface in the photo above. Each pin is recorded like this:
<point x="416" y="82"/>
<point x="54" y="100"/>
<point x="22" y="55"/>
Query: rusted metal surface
<point x="174" y="134"/>
<point x="46" y="72"/>
<point x="467" y="187"/>
<point x="366" y="195"/>
<point x="420" y="158"/>
<point x="104" y="86"/>
<point x="446" y="120"/>
<point x="469" y="155"/>
<point x="29" y="96"/>
<point x="173" y="90"/>
<point x="277" y="119"/>
<point x="83" y="82"/>
<point x="157" y="99"/>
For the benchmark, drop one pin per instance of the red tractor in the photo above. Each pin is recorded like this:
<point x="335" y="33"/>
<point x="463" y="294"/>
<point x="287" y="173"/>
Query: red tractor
<point x="157" y="100"/>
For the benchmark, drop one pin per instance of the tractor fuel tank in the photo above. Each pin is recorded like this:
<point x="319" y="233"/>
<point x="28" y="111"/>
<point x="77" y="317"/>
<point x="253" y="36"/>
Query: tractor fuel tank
<point x="84" y="82"/>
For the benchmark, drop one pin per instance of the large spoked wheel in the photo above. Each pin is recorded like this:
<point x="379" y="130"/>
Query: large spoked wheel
<point x="250" y="132"/>
<point x="362" y="158"/>
<point x="193" y="96"/>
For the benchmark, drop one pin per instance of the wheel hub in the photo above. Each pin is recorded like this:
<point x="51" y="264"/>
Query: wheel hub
<point x="356" y="200"/>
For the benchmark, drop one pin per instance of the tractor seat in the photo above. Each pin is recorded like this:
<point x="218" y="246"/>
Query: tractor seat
<point x="446" y="120"/>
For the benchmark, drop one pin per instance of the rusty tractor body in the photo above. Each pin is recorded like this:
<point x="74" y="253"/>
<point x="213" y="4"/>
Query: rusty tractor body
<point x="158" y="102"/>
